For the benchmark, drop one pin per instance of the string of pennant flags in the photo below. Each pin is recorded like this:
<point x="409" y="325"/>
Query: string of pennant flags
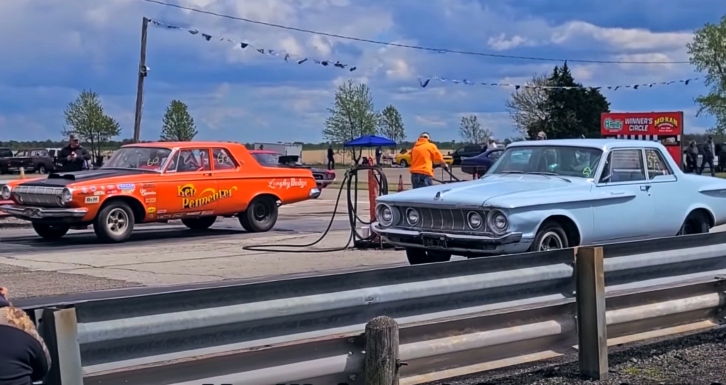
<point x="288" y="57"/>
<point x="423" y="82"/>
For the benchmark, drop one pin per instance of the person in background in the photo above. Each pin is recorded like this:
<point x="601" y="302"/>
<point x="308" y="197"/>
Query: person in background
<point x="541" y="136"/>
<point x="691" y="157"/>
<point x="379" y="152"/>
<point x="423" y="157"/>
<point x="492" y="144"/>
<point x="73" y="156"/>
<point x="707" y="157"/>
<point x="24" y="358"/>
<point x="331" y="158"/>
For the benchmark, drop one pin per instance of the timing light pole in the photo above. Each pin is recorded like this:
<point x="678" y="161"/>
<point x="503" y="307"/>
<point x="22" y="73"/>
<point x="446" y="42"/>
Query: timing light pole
<point x="143" y="71"/>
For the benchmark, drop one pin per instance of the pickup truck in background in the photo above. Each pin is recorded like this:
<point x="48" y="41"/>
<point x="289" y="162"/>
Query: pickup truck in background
<point x="5" y="155"/>
<point x="36" y="160"/>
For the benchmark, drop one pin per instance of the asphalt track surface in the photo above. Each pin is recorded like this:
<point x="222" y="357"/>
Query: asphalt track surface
<point x="18" y="241"/>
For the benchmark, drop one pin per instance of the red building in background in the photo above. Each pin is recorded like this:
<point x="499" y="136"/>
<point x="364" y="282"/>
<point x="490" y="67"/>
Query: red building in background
<point x="663" y="127"/>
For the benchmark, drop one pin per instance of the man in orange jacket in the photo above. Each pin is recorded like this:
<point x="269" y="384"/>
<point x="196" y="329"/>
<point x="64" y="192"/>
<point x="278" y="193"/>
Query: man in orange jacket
<point x="423" y="157"/>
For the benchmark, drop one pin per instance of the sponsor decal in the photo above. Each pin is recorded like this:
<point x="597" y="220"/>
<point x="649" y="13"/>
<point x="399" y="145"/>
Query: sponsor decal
<point x="145" y="192"/>
<point x="147" y="185"/>
<point x="161" y="212"/>
<point x="286" y="184"/>
<point x="92" y="200"/>
<point x="109" y="192"/>
<point x="163" y="216"/>
<point x="84" y="190"/>
<point x="191" y="198"/>
<point x="126" y="188"/>
<point x="177" y="216"/>
<point x="110" y="187"/>
<point x="150" y="200"/>
<point x="151" y="210"/>
<point x="93" y="189"/>
<point x="613" y="125"/>
<point x="208" y="212"/>
<point x="99" y="193"/>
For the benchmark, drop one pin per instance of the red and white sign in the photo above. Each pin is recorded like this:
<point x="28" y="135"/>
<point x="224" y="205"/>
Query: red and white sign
<point x="641" y="123"/>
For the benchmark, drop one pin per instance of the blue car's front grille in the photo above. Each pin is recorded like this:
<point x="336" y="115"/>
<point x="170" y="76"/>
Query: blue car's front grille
<point x="437" y="219"/>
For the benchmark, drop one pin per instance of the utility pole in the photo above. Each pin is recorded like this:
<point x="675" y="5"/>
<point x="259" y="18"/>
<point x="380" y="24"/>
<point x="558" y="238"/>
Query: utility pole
<point x="143" y="71"/>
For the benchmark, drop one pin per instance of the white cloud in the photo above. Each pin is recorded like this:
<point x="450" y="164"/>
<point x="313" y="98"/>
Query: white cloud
<point x="235" y="93"/>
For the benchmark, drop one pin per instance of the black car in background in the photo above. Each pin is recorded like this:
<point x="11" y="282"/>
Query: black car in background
<point x="467" y="151"/>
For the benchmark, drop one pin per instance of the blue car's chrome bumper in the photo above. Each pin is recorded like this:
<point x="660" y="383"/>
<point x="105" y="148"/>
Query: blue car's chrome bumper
<point x="465" y="244"/>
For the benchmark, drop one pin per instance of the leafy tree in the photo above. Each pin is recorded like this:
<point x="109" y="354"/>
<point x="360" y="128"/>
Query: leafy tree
<point x="85" y="117"/>
<point x="471" y="130"/>
<point x="390" y="124"/>
<point x="708" y="54"/>
<point x="177" y="125"/>
<point x="526" y="105"/>
<point x="570" y="112"/>
<point x="352" y="114"/>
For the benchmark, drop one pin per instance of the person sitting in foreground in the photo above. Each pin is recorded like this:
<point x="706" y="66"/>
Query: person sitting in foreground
<point x="24" y="358"/>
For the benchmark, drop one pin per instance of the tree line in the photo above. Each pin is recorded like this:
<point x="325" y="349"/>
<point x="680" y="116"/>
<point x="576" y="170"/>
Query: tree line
<point x="86" y="118"/>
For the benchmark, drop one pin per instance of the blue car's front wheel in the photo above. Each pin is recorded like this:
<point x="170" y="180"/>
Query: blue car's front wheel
<point x="418" y="256"/>
<point x="550" y="236"/>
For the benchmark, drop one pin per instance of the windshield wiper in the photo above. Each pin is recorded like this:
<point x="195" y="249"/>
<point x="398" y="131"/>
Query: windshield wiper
<point x="549" y="174"/>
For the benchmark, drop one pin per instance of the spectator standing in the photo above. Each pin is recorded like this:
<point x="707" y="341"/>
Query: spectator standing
<point x="541" y="135"/>
<point x="24" y="358"/>
<point x="73" y="157"/>
<point x="692" y="157"/>
<point x="331" y="158"/>
<point x="379" y="152"/>
<point x="423" y="157"/>
<point x="707" y="157"/>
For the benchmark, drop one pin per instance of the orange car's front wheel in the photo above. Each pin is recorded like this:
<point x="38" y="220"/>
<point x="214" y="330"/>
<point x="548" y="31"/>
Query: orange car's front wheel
<point x="260" y="216"/>
<point x="115" y="222"/>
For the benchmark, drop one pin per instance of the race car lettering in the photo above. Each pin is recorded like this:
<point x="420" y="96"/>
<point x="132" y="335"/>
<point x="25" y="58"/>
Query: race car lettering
<point x="287" y="183"/>
<point x="191" y="200"/>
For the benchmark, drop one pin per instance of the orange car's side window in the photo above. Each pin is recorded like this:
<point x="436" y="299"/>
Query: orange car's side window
<point x="190" y="160"/>
<point x="222" y="159"/>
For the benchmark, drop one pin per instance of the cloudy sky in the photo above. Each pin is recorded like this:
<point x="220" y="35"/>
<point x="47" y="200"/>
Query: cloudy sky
<point x="54" y="49"/>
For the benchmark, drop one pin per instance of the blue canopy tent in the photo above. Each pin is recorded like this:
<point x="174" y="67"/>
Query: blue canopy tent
<point x="368" y="141"/>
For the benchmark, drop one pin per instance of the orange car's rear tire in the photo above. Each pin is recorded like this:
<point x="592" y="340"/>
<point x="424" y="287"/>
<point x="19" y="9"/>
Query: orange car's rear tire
<point x="202" y="223"/>
<point x="260" y="216"/>
<point x="114" y="223"/>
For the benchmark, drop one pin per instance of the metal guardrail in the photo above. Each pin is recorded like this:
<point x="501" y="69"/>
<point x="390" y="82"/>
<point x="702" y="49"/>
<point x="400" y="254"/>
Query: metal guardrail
<point x="310" y="328"/>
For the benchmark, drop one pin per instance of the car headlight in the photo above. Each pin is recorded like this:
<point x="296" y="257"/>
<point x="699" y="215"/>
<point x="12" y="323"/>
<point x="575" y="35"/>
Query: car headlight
<point x="412" y="216"/>
<point x="66" y="195"/>
<point x="5" y="192"/>
<point x="474" y="220"/>
<point x="384" y="214"/>
<point x="497" y="221"/>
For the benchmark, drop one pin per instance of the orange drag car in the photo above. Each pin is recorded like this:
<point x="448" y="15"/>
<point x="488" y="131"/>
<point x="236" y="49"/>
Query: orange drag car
<point x="155" y="182"/>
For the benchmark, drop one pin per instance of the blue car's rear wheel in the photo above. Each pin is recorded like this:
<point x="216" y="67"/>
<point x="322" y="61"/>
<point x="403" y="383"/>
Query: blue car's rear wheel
<point x="695" y="223"/>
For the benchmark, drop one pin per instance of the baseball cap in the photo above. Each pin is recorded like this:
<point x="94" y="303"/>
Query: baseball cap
<point x="425" y="135"/>
<point x="73" y="138"/>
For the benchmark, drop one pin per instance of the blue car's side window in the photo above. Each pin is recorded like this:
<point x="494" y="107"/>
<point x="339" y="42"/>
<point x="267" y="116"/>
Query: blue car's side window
<point x="625" y="166"/>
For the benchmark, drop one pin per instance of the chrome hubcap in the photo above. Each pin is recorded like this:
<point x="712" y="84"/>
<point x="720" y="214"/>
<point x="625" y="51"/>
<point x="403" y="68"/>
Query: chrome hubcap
<point x="117" y="221"/>
<point x="551" y="241"/>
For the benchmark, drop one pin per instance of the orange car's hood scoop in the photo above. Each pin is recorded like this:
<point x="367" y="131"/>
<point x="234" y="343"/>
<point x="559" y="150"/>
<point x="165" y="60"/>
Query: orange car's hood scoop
<point x="66" y="178"/>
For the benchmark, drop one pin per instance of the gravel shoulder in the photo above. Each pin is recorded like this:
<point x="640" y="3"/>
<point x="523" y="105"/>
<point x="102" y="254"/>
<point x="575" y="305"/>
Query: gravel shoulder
<point x="695" y="359"/>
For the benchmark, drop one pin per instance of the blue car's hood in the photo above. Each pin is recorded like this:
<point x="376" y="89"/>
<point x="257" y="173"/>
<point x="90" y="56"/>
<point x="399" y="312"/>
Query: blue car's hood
<point x="497" y="190"/>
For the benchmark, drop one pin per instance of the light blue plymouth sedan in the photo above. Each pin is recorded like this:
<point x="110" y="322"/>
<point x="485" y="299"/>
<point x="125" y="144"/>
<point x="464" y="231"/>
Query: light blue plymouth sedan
<point x="553" y="194"/>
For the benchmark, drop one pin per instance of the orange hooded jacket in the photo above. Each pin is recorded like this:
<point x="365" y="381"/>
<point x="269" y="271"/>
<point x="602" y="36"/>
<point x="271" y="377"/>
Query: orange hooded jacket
<point x="423" y="157"/>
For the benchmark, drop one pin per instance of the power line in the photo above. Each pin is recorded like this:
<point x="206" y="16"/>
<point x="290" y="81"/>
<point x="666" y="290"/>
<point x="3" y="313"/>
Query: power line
<point x="416" y="47"/>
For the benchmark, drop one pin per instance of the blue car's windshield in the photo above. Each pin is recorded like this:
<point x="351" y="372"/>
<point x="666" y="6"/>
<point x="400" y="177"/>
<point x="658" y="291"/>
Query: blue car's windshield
<point x="556" y="160"/>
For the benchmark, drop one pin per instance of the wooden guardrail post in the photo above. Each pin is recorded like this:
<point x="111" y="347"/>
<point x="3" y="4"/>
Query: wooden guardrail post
<point x="381" y="358"/>
<point x="591" y="320"/>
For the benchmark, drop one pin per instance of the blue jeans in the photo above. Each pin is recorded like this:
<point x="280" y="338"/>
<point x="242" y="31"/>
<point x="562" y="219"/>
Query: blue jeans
<point x="421" y="180"/>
